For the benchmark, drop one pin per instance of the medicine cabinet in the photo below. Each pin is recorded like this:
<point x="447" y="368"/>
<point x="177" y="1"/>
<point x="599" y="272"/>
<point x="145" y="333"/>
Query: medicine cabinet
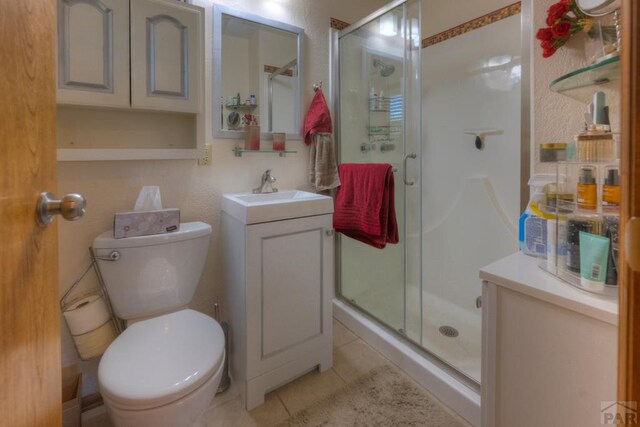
<point x="130" y="79"/>
<point x="257" y="74"/>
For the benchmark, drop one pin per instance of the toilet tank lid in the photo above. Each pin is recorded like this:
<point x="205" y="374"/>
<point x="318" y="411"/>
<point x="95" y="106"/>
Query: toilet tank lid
<point x="186" y="231"/>
<point x="158" y="361"/>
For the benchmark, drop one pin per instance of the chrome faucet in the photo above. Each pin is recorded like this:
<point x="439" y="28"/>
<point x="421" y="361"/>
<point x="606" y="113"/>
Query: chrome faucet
<point x="266" y="183"/>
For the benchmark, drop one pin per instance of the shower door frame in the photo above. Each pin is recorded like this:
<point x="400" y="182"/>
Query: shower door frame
<point x="335" y="96"/>
<point x="525" y="159"/>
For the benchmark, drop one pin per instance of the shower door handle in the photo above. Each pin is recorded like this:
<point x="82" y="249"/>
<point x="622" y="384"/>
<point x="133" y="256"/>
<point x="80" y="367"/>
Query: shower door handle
<point x="404" y="175"/>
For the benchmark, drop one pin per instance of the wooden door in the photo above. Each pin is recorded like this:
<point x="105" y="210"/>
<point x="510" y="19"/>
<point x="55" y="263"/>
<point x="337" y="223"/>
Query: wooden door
<point x="29" y="316"/>
<point x="629" y="338"/>
<point x="93" y="52"/>
<point x="166" y="55"/>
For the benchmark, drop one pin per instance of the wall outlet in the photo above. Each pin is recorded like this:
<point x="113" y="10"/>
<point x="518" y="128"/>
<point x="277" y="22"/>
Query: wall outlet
<point x="206" y="159"/>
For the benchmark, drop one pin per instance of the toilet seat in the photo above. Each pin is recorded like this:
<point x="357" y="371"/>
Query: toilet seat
<point x="157" y="361"/>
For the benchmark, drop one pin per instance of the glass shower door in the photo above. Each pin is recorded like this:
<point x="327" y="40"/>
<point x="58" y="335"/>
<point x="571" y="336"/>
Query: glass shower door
<point x="379" y="80"/>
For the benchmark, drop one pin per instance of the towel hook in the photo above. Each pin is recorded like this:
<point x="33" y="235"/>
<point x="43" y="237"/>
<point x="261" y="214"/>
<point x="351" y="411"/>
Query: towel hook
<point x="317" y="86"/>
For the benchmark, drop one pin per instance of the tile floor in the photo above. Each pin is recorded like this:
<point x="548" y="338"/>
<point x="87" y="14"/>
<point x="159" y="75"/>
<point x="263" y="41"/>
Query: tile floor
<point x="352" y="358"/>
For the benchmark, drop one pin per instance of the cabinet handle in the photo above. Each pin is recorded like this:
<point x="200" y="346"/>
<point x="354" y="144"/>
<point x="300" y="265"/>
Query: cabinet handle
<point x="329" y="233"/>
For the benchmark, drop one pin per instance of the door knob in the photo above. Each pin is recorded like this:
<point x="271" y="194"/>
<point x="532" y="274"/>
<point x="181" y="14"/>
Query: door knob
<point x="71" y="207"/>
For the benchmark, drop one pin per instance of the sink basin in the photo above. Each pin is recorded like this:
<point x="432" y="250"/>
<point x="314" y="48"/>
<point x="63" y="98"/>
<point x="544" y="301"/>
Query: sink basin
<point x="252" y="208"/>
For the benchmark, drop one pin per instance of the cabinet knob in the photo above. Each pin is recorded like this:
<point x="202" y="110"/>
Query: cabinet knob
<point x="329" y="233"/>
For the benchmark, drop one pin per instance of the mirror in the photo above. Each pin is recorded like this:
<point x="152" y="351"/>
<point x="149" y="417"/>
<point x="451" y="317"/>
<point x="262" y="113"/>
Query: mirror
<point x="598" y="7"/>
<point x="256" y="75"/>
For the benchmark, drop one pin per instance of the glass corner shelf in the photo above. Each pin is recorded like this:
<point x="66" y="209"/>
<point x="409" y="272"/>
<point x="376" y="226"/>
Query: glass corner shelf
<point x="238" y="151"/>
<point x="581" y="83"/>
<point x="240" y="107"/>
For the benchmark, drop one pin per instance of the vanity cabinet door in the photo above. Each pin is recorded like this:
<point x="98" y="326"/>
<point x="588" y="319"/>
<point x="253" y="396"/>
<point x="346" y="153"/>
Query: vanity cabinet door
<point x="93" y="52"/>
<point x="289" y="293"/>
<point x="166" y="55"/>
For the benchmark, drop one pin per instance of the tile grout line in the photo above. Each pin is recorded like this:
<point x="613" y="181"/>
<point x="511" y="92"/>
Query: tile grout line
<point x="339" y="376"/>
<point x="285" y="406"/>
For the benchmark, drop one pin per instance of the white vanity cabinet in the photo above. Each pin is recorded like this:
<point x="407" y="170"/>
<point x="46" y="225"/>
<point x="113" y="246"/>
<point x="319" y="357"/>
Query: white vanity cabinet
<point x="160" y="41"/>
<point x="278" y="279"/>
<point x="549" y="350"/>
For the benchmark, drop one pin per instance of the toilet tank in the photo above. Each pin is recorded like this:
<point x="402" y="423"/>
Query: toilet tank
<point x="150" y="275"/>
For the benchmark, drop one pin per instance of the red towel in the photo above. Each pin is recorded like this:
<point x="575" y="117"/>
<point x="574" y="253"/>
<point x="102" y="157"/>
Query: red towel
<point x="365" y="204"/>
<point x="318" y="117"/>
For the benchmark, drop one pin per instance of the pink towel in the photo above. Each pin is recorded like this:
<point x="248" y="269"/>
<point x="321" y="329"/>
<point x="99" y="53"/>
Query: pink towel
<point x="365" y="204"/>
<point x="318" y="118"/>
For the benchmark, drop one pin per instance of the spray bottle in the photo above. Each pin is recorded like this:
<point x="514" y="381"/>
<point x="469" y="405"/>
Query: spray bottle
<point x="532" y="234"/>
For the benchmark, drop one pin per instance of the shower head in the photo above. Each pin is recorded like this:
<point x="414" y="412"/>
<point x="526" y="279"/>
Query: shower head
<point x="385" y="70"/>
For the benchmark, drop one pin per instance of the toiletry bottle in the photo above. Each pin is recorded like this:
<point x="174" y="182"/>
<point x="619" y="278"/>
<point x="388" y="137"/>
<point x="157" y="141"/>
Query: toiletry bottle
<point x="587" y="197"/>
<point x="532" y="232"/>
<point x="594" y="256"/>
<point x="611" y="190"/>
<point x="574" y="227"/>
<point x="373" y="99"/>
<point x="610" y="226"/>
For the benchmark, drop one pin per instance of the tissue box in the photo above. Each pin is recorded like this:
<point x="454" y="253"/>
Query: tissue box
<point x="130" y="224"/>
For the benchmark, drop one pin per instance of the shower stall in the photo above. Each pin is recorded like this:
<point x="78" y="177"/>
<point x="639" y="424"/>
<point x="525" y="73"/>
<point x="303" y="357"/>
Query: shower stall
<point x="447" y="117"/>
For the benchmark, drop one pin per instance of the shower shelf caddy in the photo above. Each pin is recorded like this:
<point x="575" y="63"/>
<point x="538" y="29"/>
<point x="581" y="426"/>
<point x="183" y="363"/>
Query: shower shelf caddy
<point x="379" y="104"/>
<point x="241" y="107"/>
<point x="580" y="84"/>
<point x="562" y="209"/>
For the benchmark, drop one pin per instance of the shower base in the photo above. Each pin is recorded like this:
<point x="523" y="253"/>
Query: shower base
<point x="462" y="352"/>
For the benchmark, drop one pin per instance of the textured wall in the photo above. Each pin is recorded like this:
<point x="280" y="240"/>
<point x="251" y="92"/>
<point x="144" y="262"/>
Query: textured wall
<point x="113" y="186"/>
<point x="558" y="117"/>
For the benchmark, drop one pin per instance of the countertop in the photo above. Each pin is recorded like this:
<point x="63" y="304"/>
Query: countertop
<point x="521" y="273"/>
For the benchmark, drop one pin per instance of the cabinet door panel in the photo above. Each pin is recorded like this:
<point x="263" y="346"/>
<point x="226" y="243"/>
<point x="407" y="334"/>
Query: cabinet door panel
<point x="93" y="52"/>
<point x="166" y="43"/>
<point x="289" y="291"/>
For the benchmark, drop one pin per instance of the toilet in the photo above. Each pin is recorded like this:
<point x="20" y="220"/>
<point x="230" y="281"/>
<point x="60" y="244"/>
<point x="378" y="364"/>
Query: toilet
<point x="165" y="367"/>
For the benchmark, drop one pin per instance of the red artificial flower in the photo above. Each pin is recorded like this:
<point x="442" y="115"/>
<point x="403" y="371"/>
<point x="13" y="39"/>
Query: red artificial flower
<point x="544" y="34"/>
<point x="547" y="44"/>
<point x="556" y="11"/>
<point x="548" y="52"/>
<point x="561" y="29"/>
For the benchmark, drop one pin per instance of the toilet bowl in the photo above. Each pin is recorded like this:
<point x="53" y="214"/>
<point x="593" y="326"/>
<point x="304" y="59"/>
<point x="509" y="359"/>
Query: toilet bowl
<point x="164" y="369"/>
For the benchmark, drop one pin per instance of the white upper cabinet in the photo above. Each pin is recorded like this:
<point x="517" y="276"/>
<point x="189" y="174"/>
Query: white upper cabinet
<point x="144" y="54"/>
<point x="166" y="55"/>
<point x="93" y="52"/>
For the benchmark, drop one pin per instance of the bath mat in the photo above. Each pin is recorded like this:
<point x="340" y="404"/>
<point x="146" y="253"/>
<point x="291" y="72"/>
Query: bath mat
<point x="383" y="397"/>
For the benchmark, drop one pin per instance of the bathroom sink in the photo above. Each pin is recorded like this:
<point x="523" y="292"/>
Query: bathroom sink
<point x="252" y="208"/>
